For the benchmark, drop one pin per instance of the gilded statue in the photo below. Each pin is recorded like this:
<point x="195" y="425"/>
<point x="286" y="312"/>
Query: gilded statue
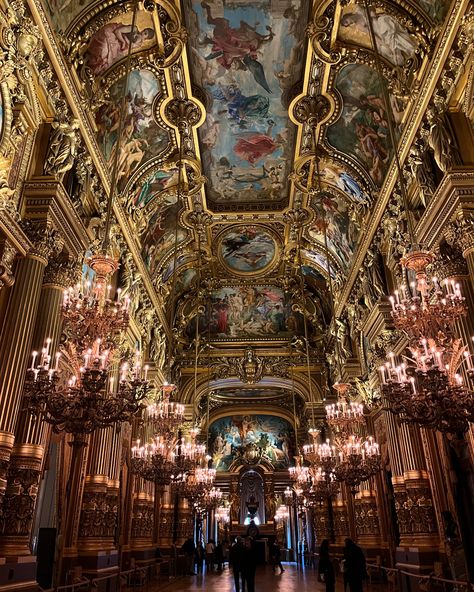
<point x="62" y="147"/>
<point x="422" y="173"/>
<point x="441" y="141"/>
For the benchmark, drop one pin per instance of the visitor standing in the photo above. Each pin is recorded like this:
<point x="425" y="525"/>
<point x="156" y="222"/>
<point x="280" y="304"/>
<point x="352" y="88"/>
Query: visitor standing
<point x="354" y="565"/>
<point x="250" y="564"/>
<point x="276" y="557"/>
<point x="189" y="550"/>
<point x="210" y="548"/>
<point x="236" y="560"/>
<point x="325" y="567"/>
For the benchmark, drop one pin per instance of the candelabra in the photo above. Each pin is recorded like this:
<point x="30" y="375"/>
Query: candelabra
<point x="211" y="498"/>
<point x="359" y="459"/>
<point x="427" y="387"/>
<point x="323" y="487"/>
<point x="223" y="514"/>
<point x="89" y="399"/>
<point x="282" y="513"/>
<point x="155" y="461"/>
<point x="197" y="482"/>
<point x="165" y="415"/>
<point x="345" y="416"/>
<point x="299" y="474"/>
<point x="190" y="453"/>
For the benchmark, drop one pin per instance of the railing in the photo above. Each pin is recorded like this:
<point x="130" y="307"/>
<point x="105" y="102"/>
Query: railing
<point x="137" y="578"/>
<point x="429" y="582"/>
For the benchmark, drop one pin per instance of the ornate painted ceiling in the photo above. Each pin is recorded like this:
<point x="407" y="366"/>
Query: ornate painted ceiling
<point x="248" y="88"/>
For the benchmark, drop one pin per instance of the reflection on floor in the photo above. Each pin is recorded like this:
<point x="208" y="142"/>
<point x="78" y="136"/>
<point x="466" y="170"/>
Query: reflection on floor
<point x="294" y="579"/>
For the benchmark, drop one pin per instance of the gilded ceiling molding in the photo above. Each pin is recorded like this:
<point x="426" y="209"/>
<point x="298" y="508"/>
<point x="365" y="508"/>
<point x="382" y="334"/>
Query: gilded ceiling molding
<point x="412" y="123"/>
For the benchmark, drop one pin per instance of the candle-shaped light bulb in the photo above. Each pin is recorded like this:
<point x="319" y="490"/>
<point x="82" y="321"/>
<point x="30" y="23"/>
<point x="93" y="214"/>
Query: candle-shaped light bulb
<point x="35" y="355"/>
<point x="56" y="366"/>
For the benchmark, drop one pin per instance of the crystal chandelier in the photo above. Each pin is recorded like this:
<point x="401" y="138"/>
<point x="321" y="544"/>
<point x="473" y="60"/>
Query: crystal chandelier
<point x="344" y="415"/>
<point x="155" y="461"/>
<point x="282" y="513"/>
<point x="223" y="514"/>
<point x="299" y="474"/>
<point x="427" y="388"/>
<point x="324" y="485"/>
<point x="359" y="459"/>
<point x="165" y="415"/>
<point x="211" y="498"/>
<point x="197" y="483"/>
<point x="90" y="398"/>
<point x="190" y="453"/>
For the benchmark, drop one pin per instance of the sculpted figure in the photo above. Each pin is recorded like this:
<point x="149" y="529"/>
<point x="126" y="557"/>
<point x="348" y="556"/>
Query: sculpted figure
<point x="422" y="173"/>
<point x="62" y="148"/>
<point x="376" y="283"/>
<point x="441" y="141"/>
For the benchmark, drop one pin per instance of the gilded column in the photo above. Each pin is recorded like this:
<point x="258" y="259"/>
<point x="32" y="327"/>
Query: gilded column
<point x="366" y="516"/>
<point x="17" y="334"/>
<point x="31" y="433"/>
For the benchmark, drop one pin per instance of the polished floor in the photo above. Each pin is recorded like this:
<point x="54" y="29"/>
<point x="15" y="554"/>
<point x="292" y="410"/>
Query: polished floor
<point x="294" y="579"/>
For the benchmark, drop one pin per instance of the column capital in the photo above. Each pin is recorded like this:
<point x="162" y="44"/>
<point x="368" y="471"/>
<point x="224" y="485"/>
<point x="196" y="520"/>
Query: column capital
<point x="61" y="273"/>
<point x="461" y="232"/>
<point x="45" y="240"/>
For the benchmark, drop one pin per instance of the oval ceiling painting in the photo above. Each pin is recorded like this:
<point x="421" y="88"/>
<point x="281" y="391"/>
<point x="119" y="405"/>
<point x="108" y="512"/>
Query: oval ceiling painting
<point x="247" y="249"/>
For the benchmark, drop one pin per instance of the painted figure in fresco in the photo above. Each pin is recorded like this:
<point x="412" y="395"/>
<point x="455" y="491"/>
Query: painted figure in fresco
<point x="239" y="107"/>
<point x="112" y="42"/>
<point x="393" y="41"/>
<point x="254" y="147"/>
<point x="237" y="48"/>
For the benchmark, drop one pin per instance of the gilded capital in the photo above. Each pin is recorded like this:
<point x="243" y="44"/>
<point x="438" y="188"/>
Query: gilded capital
<point x="46" y="241"/>
<point x="461" y="232"/>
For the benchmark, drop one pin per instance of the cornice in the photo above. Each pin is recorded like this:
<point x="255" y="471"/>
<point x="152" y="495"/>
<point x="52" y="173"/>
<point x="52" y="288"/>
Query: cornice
<point x="46" y="197"/>
<point x="14" y="234"/>
<point x="427" y="88"/>
<point x="454" y="192"/>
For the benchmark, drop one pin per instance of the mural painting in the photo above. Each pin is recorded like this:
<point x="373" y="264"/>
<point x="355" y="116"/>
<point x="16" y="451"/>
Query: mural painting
<point x="394" y="42"/>
<point x="251" y="311"/>
<point x="320" y="261"/>
<point x="436" y="9"/>
<point x="251" y="439"/>
<point x="249" y="393"/>
<point x="158" y="184"/>
<point x="362" y="127"/>
<point x="333" y="173"/>
<point x="341" y="234"/>
<point x="247" y="249"/>
<point x="111" y="42"/>
<point x="142" y="137"/>
<point x="247" y="57"/>
<point x="159" y="237"/>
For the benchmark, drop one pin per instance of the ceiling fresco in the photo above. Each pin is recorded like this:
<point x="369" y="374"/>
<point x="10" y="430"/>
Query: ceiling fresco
<point x="247" y="56"/>
<point x="251" y="439"/>
<point x="247" y="249"/>
<point x="245" y="66"/>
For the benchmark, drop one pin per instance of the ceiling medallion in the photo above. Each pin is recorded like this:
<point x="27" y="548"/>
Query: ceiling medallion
<point x="247" y="250"/>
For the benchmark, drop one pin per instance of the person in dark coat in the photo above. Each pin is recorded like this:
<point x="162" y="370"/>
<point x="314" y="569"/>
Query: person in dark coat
<point x="189" y="550"/>
<point x="200" y="555"/>
<point x="276" y="556"/>
<point x="219" y="556"/>
<point x="326" y="568"/>
<point x="354" y="565"/>
<point x="237" y="560"/>
<point x="250" y="564"/>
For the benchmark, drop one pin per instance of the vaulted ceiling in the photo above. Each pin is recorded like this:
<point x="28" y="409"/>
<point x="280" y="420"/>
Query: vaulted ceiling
<point x="251" y="77"/>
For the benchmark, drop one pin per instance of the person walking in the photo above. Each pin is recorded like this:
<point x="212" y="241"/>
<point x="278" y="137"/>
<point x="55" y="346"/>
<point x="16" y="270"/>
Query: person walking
<point x="250" y="564"/>
<point x="189" y="550"/>
<point x="200" y="554"/>
<point x="276" y="556"/>
<point x="326" y="568"/>
<point x="219" y="556"/>
<point x="210" y="548"/>
<point x="236" y="561"/>
<point x="354" y="565"/>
